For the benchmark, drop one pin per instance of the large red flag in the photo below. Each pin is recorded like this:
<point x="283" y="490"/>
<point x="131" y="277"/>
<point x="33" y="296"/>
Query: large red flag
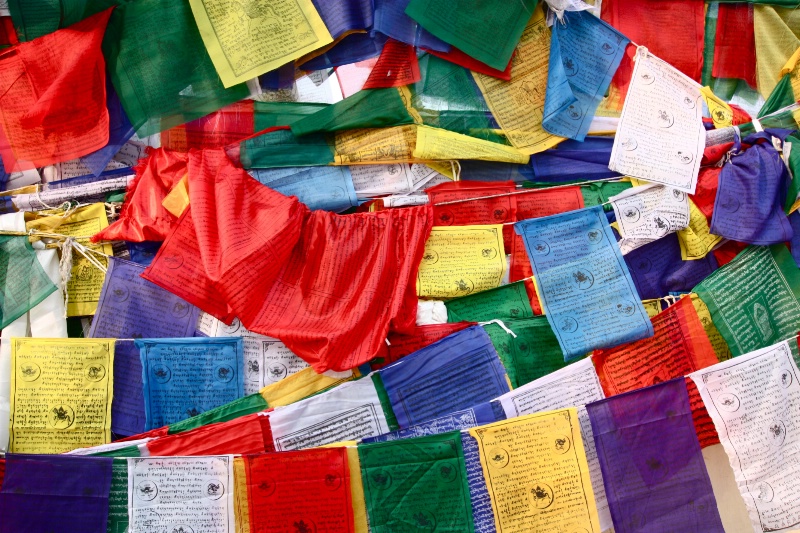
<point x="53" y="103"/>
<point x="329" y="286"/>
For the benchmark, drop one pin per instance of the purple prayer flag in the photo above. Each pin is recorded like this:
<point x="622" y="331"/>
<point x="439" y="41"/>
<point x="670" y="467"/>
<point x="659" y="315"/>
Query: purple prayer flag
<point x="132" y="307"/>
<point x="653" y="469"/>
<point x="391" y="20"/>
<point x="751" y="192"/>
<point x="351" y="49"/>
<point x="46" y="493"/>
<point x="657" y="268"/>
<point x="341" y="16"/>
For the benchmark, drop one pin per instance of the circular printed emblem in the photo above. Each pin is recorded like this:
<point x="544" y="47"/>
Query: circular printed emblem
<point x="777" y="433"/>
<point x="678" y="196"/>
<point x="664" y="118"/>
<point x="193" y="411"/>
<point x="583" y="279"/>
<point x="540" y="247"/>
<point x="181" y="528"/>
<point x="785" y="378"/>
<point x="447" y="472"/>
<point x="161" y="373"/>
<point x="120" y="292"/>
<point x="95" y="372"/>
<point x="660" y="225"/>
<point x="644" y="264"/>
<point x="179" y="309"/>
<point x="574" y="112"/>
<point x="498" y="457"/>
<point x="608" y="48"/>
<point x="730" y="204"/>
<point x="224" y="373"/>
<point x="685" y="158"/>
<point x="337" y="193"/>
<point x="445" y="218"/>
<point x="464" y="285"/>
<point x="29" y="371"/>
<point x="277" y="371"/>
<point x="146" y="490"/>
<point x="304" y="525"/>
<point x="489" y="253"/>
<point x="381" y="479"/>
<point x="688" y="101"/>
<point x="568" y="324"/>
<point x="233" y="328"/>
<point x="728" y="402"/>
<point x="594" y="236"/>
<point x="570" y="67"/>
<point x="423" y="520"/>
<point x="392" y="169"/>
<point x="631" y="214"/>
<point x="646" y="77"/>
<point x="430" y="257"/>
<point x="657" y="468"/>
<point x="61" y="416"/>
<point x="173" y="261"/>
<point x="561" y="444"/>
<point x="266" y="487"/>
<point x="332" y="481"/>
<point x="629" y="144"/>
<point x="764" y="492"/>
<point x="214" y="489"/>
<point x="500" y="213"/>
<point x="541" y="495"/>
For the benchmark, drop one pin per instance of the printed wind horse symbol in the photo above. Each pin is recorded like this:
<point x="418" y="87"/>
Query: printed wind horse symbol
<point x="422" y="520"/>
<point x="223" y="372"/>
<point x="486" y="252"/>
<point x="380" y="479"/>
<point x="462" y="285"/>
<point x="213" y="489"/>
<point x="445" y="471"/>
<point x="330" y="480"/>
<point x="95" y="372"/>
<point x="61" y="415"/>
<point x="302" y="527"/>
<point x="580" y="277"/>
<point x="660" y="224"/>
<point x="560" y="444"/>
<point x="540" y="494"/>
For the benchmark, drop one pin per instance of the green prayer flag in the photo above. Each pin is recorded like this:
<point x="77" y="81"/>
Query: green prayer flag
<point x="160" y="68"/>
<point x="24" y="283"/>
<point x="507" y="301"/>
<point x="118" y="498"/>
<point x="447" y="97"/>
<point x="599" y="193"/>
<point x="127" y="451"/>
<point x="369" y="108"/>
<point x="416" y="484"/>
<point x="532" y="354"/>
<point x="241" y="407"/>
<point x="781" y="96"/>
<point x="386" y="403"/>
<point x="282" y="148"/>
<point x="35" y="18"/>
<point x="487" y="31"/>
<point x="753" y="300"/>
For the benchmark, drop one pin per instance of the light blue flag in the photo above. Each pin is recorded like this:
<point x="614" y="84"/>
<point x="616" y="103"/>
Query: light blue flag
<point x="584" y="55"/>
<point x="327" y="188"/>
<point x="182" y="378"/>
<point x="584" y="284"/>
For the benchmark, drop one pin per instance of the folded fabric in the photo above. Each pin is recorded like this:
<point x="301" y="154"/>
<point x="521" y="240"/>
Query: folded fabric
<point x="243" y="250"/>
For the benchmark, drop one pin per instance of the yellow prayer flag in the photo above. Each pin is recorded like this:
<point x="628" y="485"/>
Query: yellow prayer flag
<point x="461" y="260"/>
<point x="241" y="503"/>
<point x="696" y="240"/>
<point x="776" y="41"/>
<point x="248" y="39"/>
<point x="177" y="200"/>
<point x="83" y="288"/>
<point x="518" y="104"/>
<point x="529" y="460"/>
<point x="652" y="307"/>
<point x="61" y="392"/>
<point x="434" y="144"/>
<point x="298" y="386"/>
<point x="375" y="145"/>
<point x="721" y="112"/>
<point x="721" y="349"/>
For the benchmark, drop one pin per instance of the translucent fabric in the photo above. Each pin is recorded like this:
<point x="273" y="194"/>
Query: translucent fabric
<point x="24" y="283"/>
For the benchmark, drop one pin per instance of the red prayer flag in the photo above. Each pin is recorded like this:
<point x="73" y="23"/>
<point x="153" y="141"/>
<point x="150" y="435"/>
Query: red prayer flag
<point x="328" y="286"/>
<point x="678" y="347"/>
<point x="305" y="490"/>
<point x="244" y="435"/>
<point x="143" y="218"/>
<point x="229" y="125"/>
<point x="53" y="103"/>
<point x="460" y="58"/>
<point x="735" y="44"/>
<point x="479" y="211"/>
<point x="673" y="31"/>
<point x="396" y="66"/>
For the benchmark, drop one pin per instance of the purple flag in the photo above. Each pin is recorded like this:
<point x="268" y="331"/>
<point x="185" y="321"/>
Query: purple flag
<point x="46" y="493"/>
<point x="653" y="470"/>
<point x="751" y="193"/>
